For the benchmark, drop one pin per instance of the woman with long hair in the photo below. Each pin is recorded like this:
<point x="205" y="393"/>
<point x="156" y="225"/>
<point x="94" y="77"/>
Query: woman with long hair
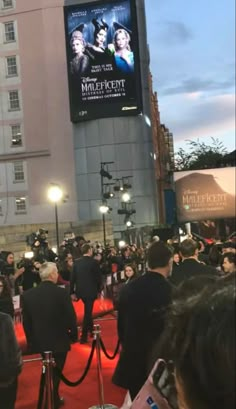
<point x="6" y="304"/>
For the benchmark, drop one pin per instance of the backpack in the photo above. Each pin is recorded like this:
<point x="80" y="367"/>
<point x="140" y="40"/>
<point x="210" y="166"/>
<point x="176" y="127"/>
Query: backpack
<point x="10" y="354"/>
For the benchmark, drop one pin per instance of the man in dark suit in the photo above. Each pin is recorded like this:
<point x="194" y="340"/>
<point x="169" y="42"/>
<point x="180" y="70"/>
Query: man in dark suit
<point x="85" y="284"/>
<point x="190" y="265"/>
<point x="49" y="320"/>
<point x="141" y="315"/>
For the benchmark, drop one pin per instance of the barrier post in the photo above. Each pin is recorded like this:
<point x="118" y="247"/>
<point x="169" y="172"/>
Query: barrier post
<point x="49" y="362"/>
<point x="102" y="405"/>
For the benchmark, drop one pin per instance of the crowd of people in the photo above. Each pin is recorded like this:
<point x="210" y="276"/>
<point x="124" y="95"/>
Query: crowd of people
<point x="175" y="314"/>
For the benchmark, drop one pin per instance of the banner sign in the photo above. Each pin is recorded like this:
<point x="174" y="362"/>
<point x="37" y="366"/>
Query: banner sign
<point x="205" y="194"/>
<point x="102" y="59"/>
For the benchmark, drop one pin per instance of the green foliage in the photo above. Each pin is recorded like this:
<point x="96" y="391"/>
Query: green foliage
<point x="200" y="155"/>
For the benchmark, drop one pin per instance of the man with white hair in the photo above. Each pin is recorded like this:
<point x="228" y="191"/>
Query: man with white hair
<point x="49" y="320"/>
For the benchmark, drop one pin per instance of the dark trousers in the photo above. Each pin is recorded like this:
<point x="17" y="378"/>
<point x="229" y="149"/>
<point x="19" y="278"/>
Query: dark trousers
<point x="60" y="359"/>
<point x="88" y="317"/>
<point x="8" y="395"/>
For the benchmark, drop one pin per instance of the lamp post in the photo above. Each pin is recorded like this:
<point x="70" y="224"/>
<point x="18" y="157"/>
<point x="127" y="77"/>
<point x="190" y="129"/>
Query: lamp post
<point x="55" y="194"/>
<point x="104" y="208"/>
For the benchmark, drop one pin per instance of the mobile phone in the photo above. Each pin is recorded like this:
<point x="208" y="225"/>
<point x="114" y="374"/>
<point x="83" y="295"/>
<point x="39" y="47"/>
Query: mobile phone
<point x="151" y="395"/>
<point x="164" y="381"/>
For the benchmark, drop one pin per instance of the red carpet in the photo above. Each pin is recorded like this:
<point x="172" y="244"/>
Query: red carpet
<point x="84" y="395"/>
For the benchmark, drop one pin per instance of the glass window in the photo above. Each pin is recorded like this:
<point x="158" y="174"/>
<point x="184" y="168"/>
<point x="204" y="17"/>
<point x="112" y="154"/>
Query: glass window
<point x="20" y="204"/>
<point x="16" y="136"/>
<point x="11" y="66"/>
<point x="9" y="32"/>
<point x="19" y="175"/>
<point x="7" y="4"/>
<point x="14" y="102"/>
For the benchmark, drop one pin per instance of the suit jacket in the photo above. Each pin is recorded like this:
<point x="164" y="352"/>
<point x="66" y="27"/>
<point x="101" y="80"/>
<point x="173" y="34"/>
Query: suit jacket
<point x="49" y="318"/>
<point x="141" y="314"/>
<point x="190" y="268"/>
<point x="86" y="278"/>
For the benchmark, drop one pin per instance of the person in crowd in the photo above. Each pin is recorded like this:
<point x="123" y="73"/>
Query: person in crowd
<point x="130" y="272"/>
<point x="176" y="259"/>
<point x="10" y="362"/>
<point x="124" y="57"/>
<point x="190" y="264"/>
<point x="65" y="267"/>
<point x="79" y="64"/>
<point x="13" y="275"/>
<point x="85" y="285"/>
<point x="200" y="342"/>
<point x="215" y="257"/>
<point x="6" y="303"/>
<point x="229" y="263"/>
<point x="126" y="255"/>
<point x="49" y="321"/>
<point x="141" y="315"/>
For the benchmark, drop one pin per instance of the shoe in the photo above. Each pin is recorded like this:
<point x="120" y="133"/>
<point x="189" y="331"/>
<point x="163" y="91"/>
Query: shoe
<point x="59" y="402"/>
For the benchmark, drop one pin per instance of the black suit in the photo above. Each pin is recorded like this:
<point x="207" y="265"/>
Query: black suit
<point x="141" y="311"/>
<point x="49" y="322"/>
<point x="86" y="283"/>
<point x="190" y="268"/>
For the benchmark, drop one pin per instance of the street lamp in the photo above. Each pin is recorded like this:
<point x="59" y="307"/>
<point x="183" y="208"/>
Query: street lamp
<point x="55" y="195"/>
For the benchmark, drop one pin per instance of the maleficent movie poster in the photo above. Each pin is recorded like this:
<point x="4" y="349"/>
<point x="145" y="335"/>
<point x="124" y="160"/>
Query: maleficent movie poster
<point x="103" y="59"/>
<point x="205" y="194"/>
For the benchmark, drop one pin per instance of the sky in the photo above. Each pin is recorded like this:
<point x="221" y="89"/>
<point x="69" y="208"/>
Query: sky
<point x="192" y="51"/>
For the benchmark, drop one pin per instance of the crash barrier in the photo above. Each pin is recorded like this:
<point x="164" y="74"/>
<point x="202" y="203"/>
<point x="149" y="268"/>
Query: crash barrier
<point x="46" y="395"/>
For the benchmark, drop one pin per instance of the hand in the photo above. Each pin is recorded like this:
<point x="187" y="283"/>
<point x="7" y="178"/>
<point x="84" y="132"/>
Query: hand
<point x="73" y="297"/>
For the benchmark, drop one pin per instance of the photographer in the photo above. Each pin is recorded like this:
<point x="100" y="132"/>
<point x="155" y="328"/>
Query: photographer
<point x="39" y="245"/>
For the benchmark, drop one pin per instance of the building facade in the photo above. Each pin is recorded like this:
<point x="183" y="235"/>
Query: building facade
<point x="38" y="143"/>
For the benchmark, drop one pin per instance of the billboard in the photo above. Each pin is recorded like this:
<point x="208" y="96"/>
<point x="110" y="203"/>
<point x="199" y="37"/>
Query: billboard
<point x="205" y="194"/>
<point x="102" y="59"/>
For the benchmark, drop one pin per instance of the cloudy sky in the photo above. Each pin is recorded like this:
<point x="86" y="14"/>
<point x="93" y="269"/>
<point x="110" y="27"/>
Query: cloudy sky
<point x="192" y="48"/>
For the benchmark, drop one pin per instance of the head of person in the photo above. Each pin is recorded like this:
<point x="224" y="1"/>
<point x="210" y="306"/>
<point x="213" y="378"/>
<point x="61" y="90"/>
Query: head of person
<point x="130" y="271"/>
<point x="77" y="42"/>
<point x="188" y="249"/>
<point x="203" y="348"/>
<point x="160" y="258"/>
<point x="100" y="33"/>
<point x="9" y="257"/>
<point x="176" y="258"/>
<point x="48" y="272"/>
<point x="69" y="260"/>
<point x="5" y="290"/>
<point x="229" y="246"/>
<point x="87" y="250"/>
<point x="122" y="40"/>
<point x="229" y="263"/>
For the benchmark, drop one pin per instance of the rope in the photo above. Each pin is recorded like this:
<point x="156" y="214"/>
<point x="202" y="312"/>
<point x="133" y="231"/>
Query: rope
<point x="72" y="384"/>
<point x="111" y="357"/>
<point x="41" y="389"/>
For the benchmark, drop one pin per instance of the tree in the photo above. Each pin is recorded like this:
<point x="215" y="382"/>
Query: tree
<point x="200" y="155"/>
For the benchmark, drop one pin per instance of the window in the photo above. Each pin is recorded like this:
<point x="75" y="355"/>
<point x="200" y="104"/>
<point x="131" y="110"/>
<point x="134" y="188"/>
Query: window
<point x="9" y="32"/>
<point x="20" y="205"/>
<point x="19" y="175"/>
<point x="14" y="102"/>
<point x="16" y="136"/>
<point x="7" y="4"/>
<point x="11" y="66"/>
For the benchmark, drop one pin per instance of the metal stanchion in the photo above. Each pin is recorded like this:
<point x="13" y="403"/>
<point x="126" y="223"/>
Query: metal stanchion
<point x="102" y="405"/>
<point x="49" y="362"/>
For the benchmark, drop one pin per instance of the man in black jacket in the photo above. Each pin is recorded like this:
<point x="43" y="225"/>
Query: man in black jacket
<point x="190" y="265"/>
<point x="141" y="315"/>
<point x="85" y="285"/>
<point x="49" y="320"/>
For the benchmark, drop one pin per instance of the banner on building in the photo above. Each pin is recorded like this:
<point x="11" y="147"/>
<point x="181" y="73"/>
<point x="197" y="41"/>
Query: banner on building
<point x="103" y="59"/>
<point x="205" y="194"/>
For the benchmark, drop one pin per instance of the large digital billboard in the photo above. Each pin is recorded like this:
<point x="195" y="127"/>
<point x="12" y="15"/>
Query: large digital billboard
<point x="103" y="59"/>
<point x="205" y="194"/>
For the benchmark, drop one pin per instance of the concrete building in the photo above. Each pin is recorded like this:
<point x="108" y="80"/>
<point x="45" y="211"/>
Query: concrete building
<point x="38" y="143"/>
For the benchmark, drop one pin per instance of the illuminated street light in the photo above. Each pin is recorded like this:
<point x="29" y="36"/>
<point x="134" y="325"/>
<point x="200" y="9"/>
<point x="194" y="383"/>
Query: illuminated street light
<point x="55" y="195"/>
<point x="122" y="244"/>
<point x="126" y="197"/>
<point x="104" y="208"/>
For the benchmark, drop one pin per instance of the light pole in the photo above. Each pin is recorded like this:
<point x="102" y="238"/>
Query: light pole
<point x="55" y="194"/>
<point x="104" y="208"/>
